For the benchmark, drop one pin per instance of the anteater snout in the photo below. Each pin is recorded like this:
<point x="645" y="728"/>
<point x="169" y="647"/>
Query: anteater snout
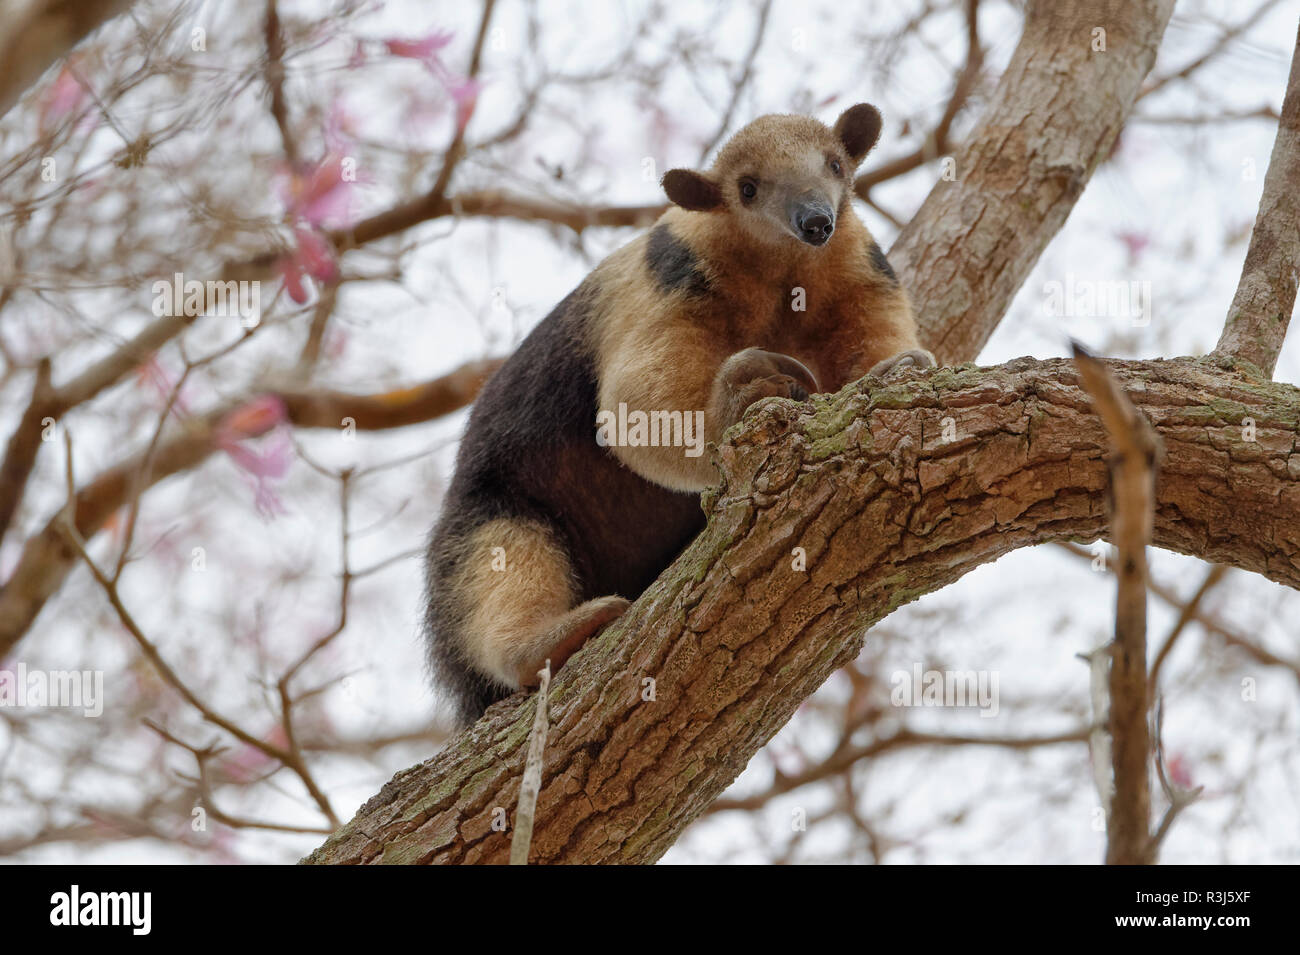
<point x="813" y="222"/>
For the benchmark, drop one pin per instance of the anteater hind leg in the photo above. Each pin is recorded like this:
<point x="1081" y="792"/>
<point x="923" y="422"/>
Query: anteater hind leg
<point x="518" y="589"/>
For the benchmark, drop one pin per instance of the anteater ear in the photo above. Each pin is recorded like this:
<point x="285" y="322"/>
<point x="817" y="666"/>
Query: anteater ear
<point x="692" y="190"/>
<point x="858" y="128"/>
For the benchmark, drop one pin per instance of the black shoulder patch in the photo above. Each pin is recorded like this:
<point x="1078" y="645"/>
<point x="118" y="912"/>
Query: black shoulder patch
<point x="881" y="263"/>
<point x="673" y="264"/>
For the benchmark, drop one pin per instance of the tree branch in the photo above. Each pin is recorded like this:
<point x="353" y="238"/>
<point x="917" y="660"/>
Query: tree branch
<point x="48" y="31"/>
<point x="47" y="558"/>
<point x="24" y="443"/>
<point x="1133" y="480"/>
<point x="275" y="81"/>
<point x="741" y="81"/>
<point x="1261" y="308"/>
<point x="846" y="757"/>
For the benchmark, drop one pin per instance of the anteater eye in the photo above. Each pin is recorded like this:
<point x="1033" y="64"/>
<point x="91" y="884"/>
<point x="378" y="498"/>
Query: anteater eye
<point x="748" y="189"/>
<point x="835" y="166"/>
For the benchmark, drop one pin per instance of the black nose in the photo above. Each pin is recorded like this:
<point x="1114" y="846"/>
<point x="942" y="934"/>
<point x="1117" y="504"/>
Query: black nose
<point x="815" y="227"/>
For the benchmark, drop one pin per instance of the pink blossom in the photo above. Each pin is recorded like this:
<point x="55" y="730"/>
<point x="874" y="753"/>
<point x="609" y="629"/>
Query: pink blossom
<point x="463" y="90"/>
<point x="336" y="343"/>
<point x="425" y="49"/>
<point x="268" y="465"/>
<point x="66" y="95"/>
<point x="291" y="273"/>
<point x="153" y="375"/>
<point x="252" y="420"/>
<point x="1180" y="773"/>
<point x="1134" y="243"/>
<point x="311" y="256"/>
<point x="316" y="255"/>
<point x="263" y="468"/>
<point x="319" y="192"/>
<point x="338" y="129"/>
<point x="465" y="94"/>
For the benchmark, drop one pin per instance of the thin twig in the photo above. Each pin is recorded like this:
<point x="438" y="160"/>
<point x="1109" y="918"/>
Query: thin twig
<point x="742" y="81"/>
<point x="285" y="756"/>
<point x="531" y="785"/>
<point x="1207" y="621"/>
<point x="936" y="143"/>
<point x="1179" y="798"/>
<point x="1185" y="616"/>
<point x="202" y="755"/>
<point x="275" y="80"/>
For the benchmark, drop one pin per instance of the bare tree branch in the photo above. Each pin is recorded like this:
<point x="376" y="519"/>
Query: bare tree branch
<point x="293" y="760"/>
<point x="1222" y="43"/>
<point x="1210" y="623"/>
<point x="1261" y="308"/>
<point x="1186" y="615"/>
<point x="275" y="80"/>
<point x="41" y="34"/>
<point x="24" y="443"/>
<point x="1133" y="480"/>
<point x="742" y="79"/>
<point x="46" y="558"/>
<point x="847" y="757"/>
<point x="938" y="141"/>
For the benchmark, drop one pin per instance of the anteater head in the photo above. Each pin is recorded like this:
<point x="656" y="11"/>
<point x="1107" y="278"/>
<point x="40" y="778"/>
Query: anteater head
<point x="783" y="178"/>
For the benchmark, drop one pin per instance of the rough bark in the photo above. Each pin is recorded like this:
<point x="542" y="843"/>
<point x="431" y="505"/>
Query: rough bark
<point x="735" y="640"/>
<point x="1261" y="308"/>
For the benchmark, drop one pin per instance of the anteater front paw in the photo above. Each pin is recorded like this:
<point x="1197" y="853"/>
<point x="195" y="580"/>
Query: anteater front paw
<point x="753" y="374"/>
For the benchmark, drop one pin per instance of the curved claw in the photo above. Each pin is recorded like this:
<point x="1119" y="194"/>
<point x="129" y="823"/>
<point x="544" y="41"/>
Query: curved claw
<point x="913" y="357"/>
<point x="795" y="369"/>
<point x="755" y="363"/>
